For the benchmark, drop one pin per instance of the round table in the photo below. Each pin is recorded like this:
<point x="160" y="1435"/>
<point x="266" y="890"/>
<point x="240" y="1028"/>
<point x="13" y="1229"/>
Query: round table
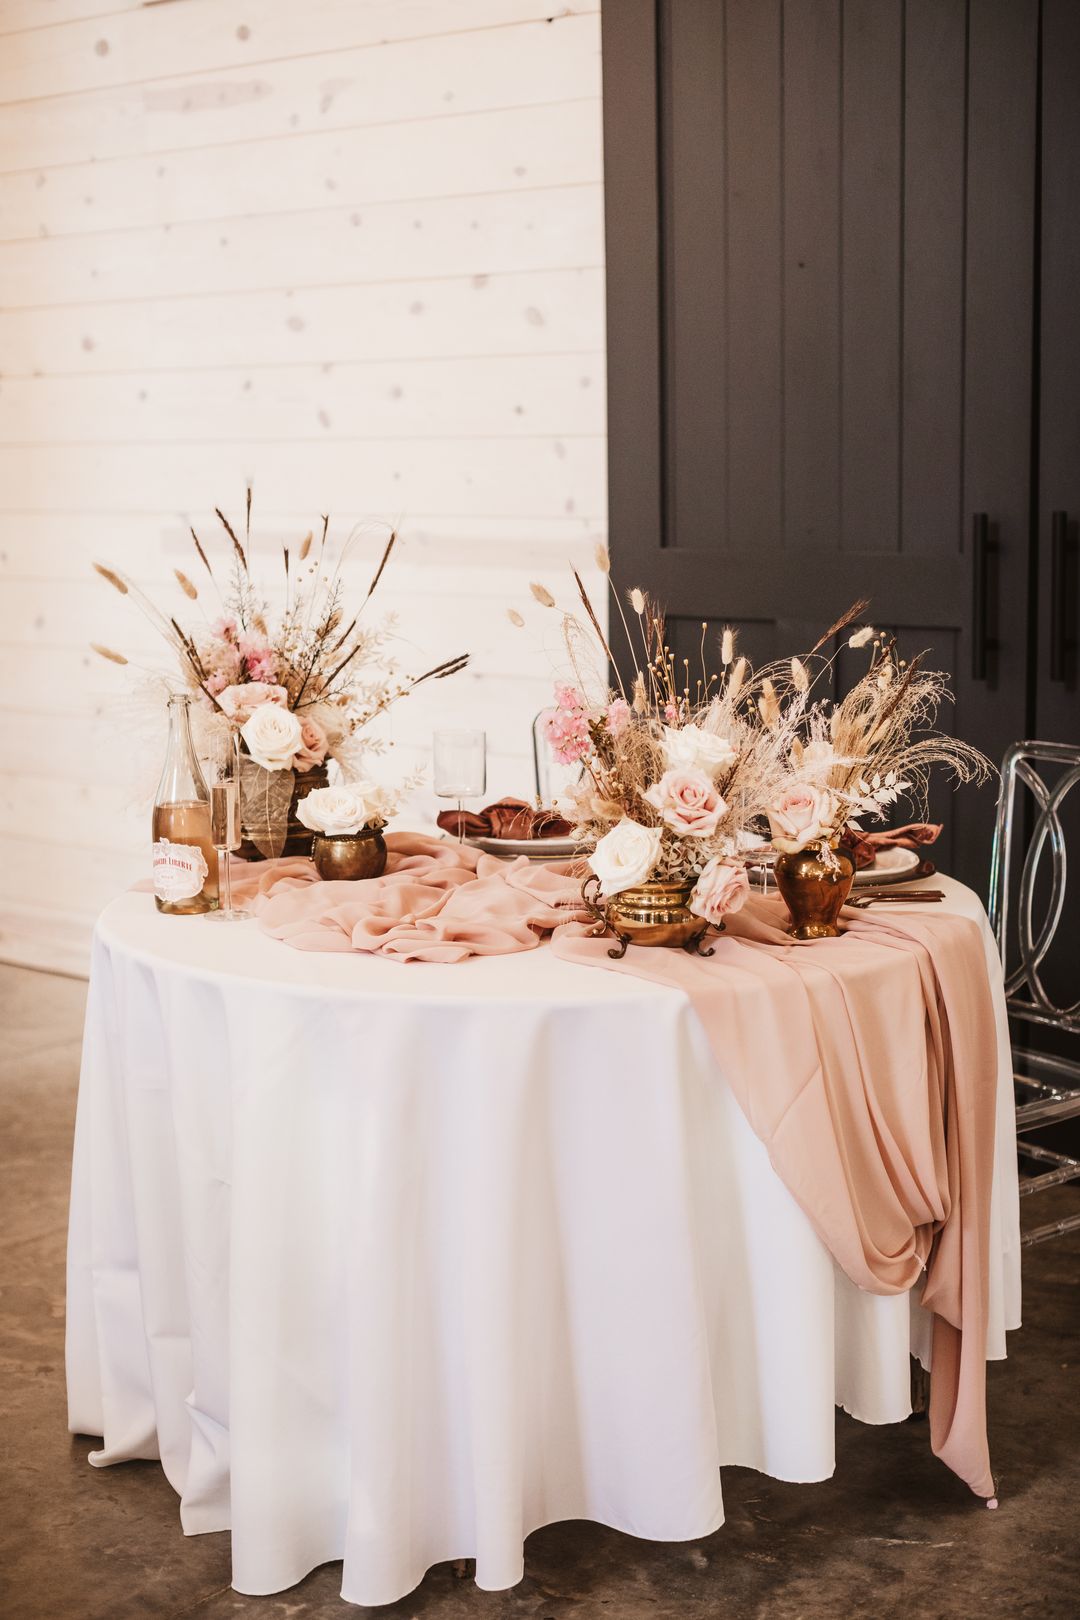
<point x="394" y="1264"/>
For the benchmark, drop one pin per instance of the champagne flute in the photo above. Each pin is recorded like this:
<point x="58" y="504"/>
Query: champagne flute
<point x="460" y="768"/>
<point x="223" y="777"/>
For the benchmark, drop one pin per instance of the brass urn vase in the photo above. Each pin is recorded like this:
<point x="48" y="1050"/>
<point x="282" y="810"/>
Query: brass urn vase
<point x="814" y="889"/>
<point x="656" y="913"/>
<point x="346" y="857"/>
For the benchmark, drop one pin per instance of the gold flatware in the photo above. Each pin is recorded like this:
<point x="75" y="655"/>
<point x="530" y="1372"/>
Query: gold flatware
<point x="910" y="896"/>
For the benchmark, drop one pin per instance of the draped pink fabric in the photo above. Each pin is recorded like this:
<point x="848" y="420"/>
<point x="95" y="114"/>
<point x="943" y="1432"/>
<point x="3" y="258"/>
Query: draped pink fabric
<point x="867" y="1064"/>
<point x="874" y="1093"/>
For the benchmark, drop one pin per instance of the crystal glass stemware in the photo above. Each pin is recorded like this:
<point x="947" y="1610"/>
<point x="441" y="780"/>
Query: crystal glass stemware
<point x="460" y="767"/>
<point x="222" y="772"/>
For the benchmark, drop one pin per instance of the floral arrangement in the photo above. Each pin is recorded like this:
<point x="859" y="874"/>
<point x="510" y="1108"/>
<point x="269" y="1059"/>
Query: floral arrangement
<point x="681" y="771"/>
<point x="858" y="756"/>
<point x="300" y="688"/>
<point x="674" y="766"/>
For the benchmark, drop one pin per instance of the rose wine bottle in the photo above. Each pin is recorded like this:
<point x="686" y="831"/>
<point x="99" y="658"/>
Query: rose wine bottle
<point x="185" y="861"/>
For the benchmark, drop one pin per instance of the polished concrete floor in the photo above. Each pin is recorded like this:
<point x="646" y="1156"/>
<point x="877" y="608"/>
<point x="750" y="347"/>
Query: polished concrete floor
<point x="892" y="1534"/>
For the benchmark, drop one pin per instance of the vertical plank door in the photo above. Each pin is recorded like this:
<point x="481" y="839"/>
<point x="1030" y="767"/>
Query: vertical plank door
<point x="820" y="246"/>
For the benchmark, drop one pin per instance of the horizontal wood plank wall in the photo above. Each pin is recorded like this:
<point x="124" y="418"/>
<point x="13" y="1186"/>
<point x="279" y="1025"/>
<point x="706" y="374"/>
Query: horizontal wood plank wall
<point x="351" y="251"/>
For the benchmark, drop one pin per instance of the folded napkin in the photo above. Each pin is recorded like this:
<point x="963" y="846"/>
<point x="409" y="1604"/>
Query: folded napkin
<point x="509" y="818"/>
<point x="864" y="847"/>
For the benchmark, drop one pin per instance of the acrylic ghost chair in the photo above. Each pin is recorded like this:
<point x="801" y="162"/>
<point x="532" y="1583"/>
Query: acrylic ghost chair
<point x="1027" y="906"/>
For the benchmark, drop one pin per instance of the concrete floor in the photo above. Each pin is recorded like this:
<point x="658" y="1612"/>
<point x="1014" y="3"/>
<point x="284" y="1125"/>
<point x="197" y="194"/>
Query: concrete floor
<point x="892" y="1534"/>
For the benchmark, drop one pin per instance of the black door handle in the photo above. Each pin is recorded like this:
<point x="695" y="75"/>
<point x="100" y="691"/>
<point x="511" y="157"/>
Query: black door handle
<point x="1059" y="604"/>
<point x="982" y="643"/>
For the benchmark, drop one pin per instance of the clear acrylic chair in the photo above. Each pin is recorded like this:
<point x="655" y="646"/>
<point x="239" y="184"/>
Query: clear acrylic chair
<point x="1028" y="873"/>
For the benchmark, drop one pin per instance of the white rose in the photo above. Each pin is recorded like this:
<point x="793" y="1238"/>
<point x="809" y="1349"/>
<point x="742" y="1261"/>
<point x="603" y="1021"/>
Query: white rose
<point x="273" y="736"/>
<point x="625" y="856"/>
<point x="338" y="811"/>
<point x="802" y="815"/>
<point x="689" y="748"/>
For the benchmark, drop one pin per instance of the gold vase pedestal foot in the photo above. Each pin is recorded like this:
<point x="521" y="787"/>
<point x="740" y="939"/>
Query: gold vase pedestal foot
<point x="350" y="856"/>
<point x="814" y="890"/>
<point x="651" y="914"/>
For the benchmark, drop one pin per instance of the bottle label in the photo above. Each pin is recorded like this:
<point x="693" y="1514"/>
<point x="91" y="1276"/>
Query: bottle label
<point x="180" y="870"/>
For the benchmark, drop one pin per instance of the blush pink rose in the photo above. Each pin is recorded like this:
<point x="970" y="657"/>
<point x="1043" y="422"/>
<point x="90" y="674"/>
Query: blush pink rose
<point x="722" y="888"/>
<point x="239" y="702"/>
<point x="689" y="802"/>
<point x="313" y="745"/>
<point x="802" y="815"/>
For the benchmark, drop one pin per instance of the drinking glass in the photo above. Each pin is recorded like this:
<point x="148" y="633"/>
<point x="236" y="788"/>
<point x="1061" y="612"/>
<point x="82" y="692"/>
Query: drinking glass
<point x="460" y="768"/>
<point x="222" y="772"/>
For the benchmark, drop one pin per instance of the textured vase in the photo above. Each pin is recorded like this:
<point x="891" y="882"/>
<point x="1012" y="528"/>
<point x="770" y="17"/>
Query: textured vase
<point x="814" y="890"/>
<point x="349" y="856"/>
<point x="297" y="836"/>
<point x="656" y="913"/>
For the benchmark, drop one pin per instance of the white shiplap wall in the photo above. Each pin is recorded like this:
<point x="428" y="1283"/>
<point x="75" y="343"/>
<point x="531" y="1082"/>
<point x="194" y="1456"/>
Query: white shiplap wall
<point x="351" y="250"/>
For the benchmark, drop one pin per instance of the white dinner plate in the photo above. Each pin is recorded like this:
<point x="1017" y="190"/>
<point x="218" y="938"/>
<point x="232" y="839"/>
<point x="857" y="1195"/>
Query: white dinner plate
<point x="891" y="866"/>
<point x="536" y="849"/>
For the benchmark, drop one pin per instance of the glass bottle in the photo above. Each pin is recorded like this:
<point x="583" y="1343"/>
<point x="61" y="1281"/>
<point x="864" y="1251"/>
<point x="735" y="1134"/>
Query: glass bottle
<point x="185" y="861"/>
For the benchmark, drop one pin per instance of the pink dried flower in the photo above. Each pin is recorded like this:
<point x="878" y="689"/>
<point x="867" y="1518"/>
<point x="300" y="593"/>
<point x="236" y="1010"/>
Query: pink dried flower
<point x="567" y="734"/>
<point x="259" y="660"/>
<point x="618" y="716"/>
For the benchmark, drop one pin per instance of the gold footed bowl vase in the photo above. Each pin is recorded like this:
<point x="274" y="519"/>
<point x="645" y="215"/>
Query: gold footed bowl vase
<point x="656" y="913"/>
<point x="814" y="890"/>
<point x="348" y="857"/>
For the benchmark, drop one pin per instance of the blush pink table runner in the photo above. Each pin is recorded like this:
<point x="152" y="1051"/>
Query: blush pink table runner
<point x="877" y="1109"/>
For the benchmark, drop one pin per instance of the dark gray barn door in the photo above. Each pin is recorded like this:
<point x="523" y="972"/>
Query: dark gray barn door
<point x="820" y="241"/>
<point x="1057" y="656"/>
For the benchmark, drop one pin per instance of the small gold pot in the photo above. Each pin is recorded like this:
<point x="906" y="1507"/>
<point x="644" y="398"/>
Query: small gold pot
<point x="656" y="913"/>
<point x="814" y="890"/>
<point x="349" y="856"/>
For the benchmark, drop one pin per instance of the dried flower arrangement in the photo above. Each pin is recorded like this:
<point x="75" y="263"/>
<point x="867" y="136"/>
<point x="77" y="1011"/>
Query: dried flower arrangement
<point x="680" y="770"/>
<point x="858" y="756"/>
<point x="300" y="689"/>
<point x="675" y="767"/>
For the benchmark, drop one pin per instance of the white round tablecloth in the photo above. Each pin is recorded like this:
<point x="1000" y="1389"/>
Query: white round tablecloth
<point x="397" y="1263"/>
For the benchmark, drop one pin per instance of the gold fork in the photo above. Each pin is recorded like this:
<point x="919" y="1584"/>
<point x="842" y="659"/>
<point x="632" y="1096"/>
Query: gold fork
<point x="895" y="896"/>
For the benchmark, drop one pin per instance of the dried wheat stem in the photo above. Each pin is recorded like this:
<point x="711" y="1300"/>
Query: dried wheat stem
<point x="114" y="579"/>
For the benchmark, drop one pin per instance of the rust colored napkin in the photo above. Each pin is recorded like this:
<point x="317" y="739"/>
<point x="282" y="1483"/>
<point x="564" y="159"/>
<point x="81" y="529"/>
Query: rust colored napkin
<point x="863" y="847"/>
<point x="508" y="818"/>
